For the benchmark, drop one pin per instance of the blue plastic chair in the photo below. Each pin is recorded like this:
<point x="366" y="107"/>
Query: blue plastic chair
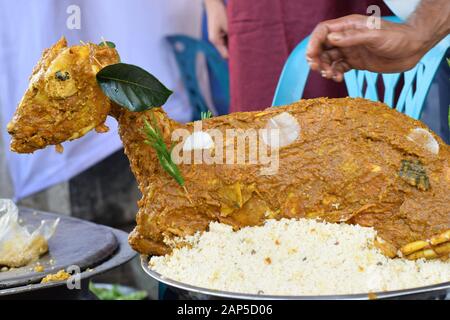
<point x="416" y="82"/>
<point x="186" y="50"/>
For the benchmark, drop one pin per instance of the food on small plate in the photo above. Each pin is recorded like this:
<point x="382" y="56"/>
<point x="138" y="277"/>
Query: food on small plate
<point x="293" y="257"/>
<point x="61" y="275"/>
<point x="339" y="160"/>
<point x="18" y="246"/>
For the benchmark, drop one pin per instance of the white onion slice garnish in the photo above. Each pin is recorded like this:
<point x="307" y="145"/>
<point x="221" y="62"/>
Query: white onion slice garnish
<point x="280" y="131"/>
<point x="424" y="139"/>
<point x="198" y="140"/>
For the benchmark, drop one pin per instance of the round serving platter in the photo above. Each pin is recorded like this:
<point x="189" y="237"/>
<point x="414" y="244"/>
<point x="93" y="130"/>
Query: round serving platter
<point x="186" y="291"/>
<point x="91" y="247"/>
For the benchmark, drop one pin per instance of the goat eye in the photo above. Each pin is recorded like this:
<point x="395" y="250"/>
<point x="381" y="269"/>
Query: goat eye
<point x="62" y="76"/>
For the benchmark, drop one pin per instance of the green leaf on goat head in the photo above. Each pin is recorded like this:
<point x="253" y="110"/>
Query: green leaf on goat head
<point x="107" y="43"/>
<point x="132" y="87"/>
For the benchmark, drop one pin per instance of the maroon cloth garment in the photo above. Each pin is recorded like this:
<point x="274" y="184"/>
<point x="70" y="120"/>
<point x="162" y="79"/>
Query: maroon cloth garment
<point x="261" y="35"/>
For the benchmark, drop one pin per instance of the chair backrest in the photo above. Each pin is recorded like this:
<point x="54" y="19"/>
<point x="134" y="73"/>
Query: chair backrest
<point x="416" y="82"/>
<point x="186" y="50"/>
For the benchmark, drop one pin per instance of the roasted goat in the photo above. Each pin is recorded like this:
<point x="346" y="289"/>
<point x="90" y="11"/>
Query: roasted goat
<point x="345" y="160"/>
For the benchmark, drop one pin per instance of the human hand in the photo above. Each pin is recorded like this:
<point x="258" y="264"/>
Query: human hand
<point x="217" y="25"/>
<point x="338" y="45"/>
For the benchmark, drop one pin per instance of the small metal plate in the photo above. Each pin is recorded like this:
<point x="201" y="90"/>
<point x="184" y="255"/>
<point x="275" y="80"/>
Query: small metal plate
<point x="53" y="290"/>
<point x="75" y="242"/>
<point x="187" y="291"/>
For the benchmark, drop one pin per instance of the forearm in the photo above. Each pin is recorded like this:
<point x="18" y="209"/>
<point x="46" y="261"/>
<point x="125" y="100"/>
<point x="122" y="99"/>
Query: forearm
<point x="209" y="3"/>
<point x="216" y="13"/>
<point x="431" y="22"/>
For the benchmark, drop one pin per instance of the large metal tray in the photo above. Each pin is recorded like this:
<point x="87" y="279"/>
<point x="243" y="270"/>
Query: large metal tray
<point x="186" y="291"/>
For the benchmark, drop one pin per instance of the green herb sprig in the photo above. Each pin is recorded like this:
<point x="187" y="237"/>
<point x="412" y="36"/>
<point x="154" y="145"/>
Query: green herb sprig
<point x="448" y="61"/>
<point x="155" y="139"/>
<point x="205" y="115"/>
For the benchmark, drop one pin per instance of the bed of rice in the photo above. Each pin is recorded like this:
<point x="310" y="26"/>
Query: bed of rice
<point x="294" y="257"/>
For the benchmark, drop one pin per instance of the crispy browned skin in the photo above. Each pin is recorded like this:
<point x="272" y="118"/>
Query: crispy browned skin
<point x="63" y="101"/>
<point x="352" y="163"/>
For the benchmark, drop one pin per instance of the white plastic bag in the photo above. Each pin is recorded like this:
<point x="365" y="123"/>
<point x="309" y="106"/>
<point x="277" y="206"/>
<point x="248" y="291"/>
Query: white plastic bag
<point x="18" y="246"/>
